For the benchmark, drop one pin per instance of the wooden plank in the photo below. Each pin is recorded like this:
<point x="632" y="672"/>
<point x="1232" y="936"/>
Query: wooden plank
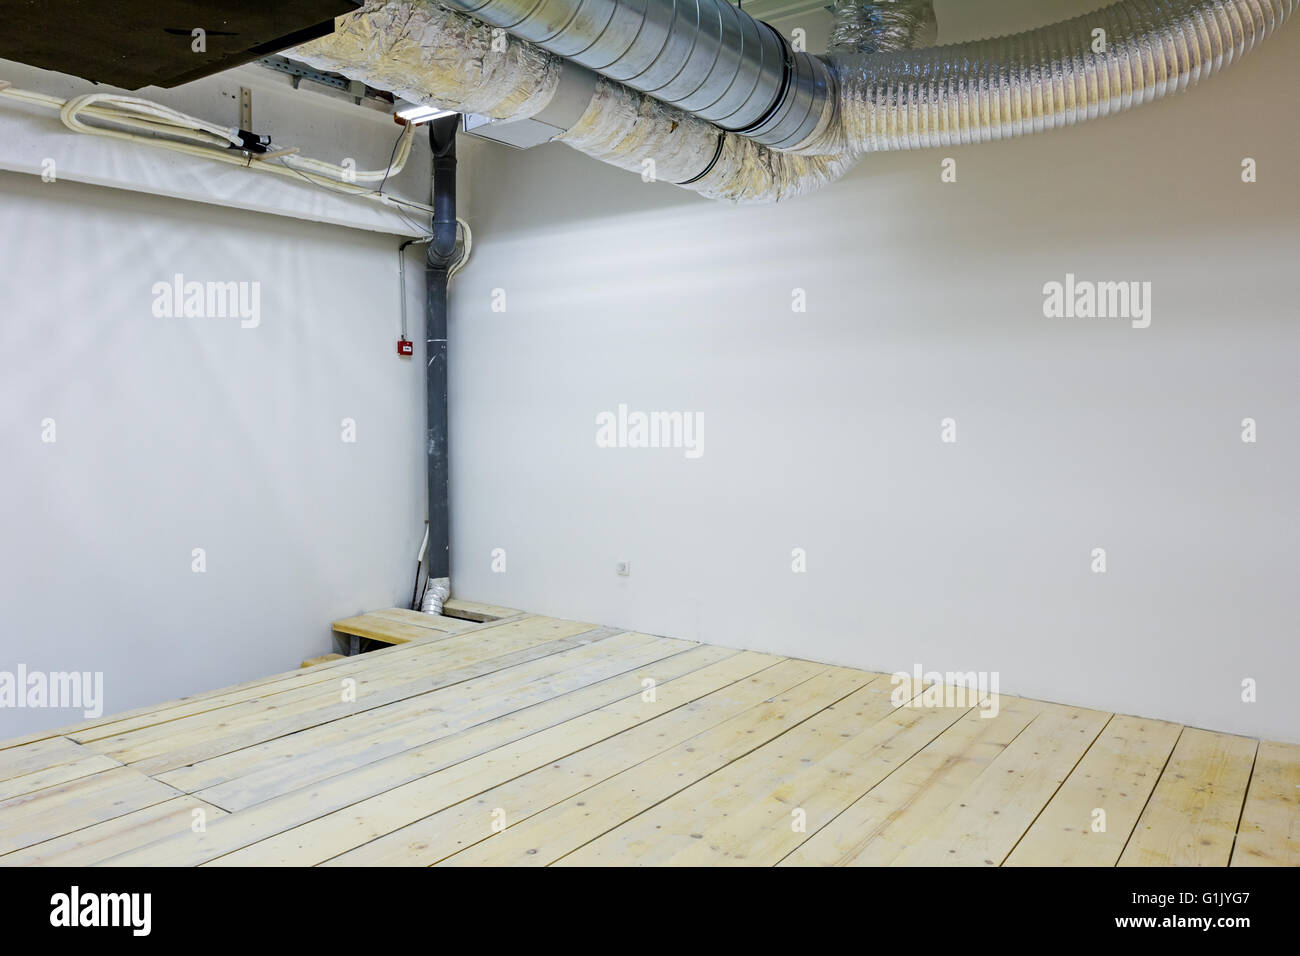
<point x="299" y="685"/>
<point x="548" y="834"/>
<point x="189" y="740"/>
<point x="334" y="750"/>
<point x="746" y="814"/>
<point x="40" y="816"/>
<point x="891" y="816"/>
<point x="999" y="806"/>
<point x="379" y="628"/>
<point x="314" y="748"/>
<point x="41" y="755"/>
<point x="260" y="686"/>
<point x="565" y="759"/>
<point x="475" y="610"/>
<point x="97" y="842"/>
<point x="334" y="834"/>
<point x="1269" y="834"/>
<point x="547" y="725"/>
<point x="321" y="659"/>
<point x="275" y="816"/>
<point x="434" y="622"/>
<point x="1192" y="816"/>
<point x="1116" y="776"/>
<point x="90" y="763"/>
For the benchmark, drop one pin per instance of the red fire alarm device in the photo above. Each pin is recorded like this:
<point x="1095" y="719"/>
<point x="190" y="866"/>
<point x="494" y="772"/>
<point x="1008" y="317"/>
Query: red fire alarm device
<point x="405" y="347"/>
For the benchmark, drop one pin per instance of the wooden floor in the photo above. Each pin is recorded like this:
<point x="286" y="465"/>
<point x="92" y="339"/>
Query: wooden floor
<point x="525" y="740"/>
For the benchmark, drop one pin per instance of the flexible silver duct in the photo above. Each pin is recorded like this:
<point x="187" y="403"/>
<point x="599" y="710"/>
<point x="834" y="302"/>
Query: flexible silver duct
<point x="890" y="99"/>
<point x="1041" y="79"/>
<point x="860" y="27"/>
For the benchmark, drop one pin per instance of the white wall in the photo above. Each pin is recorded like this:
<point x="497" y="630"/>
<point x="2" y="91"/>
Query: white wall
<point x="822" y="429"/>
<point x="176" y="434"/>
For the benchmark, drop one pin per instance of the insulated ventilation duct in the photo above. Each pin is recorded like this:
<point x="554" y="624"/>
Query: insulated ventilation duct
<point x="882" y="26"/>
<point x="695" y="91"/>
<point x="705" y="57"/>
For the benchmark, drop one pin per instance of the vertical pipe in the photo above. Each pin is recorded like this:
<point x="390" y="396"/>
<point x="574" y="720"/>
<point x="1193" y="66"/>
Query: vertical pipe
<point x="442" y="255"/>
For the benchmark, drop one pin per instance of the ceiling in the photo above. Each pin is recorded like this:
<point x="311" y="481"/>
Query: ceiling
<point x="772" y="10"/>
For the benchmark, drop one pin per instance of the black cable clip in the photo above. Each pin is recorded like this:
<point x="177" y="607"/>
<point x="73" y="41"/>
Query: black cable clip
<point x="252" y="142"/>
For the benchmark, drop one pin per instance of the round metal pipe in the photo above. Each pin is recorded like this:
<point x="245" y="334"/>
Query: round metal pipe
<point x="705" y="57"/>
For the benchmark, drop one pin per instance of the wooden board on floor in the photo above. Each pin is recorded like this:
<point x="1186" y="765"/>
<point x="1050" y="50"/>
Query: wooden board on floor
<point x="1191" y="819"/>
<point x="1269" y="833"/>
<point x="321" y="659"/>
<point x="476" y="610"/>
<point x="487" y="736"/>
<point x="1089" y="820"/>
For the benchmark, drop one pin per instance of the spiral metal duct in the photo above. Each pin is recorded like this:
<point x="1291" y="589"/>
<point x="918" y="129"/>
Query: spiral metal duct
<point x="706" y="57"/>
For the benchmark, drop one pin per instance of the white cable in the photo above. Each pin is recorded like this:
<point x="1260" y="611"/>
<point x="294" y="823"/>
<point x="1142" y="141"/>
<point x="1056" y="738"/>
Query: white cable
<point x="467" y="243"/>
<point x="198" y="137"/>
<point x="423" y="544"/>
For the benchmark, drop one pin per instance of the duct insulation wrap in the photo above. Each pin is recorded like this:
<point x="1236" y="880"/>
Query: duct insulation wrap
<point x="1105" y="62"/>
<point x="634" y="132"/>
<point x="427" y="54"/>
<point x="706" y="57"/>
<point x="859" y="27"/>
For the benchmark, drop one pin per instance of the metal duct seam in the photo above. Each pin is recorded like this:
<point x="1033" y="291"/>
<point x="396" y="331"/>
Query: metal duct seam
<point x="706" y="57"/>
<point x="635" y="132"/>
<point x="429" y="54"/>
<point x="626" y="129"/>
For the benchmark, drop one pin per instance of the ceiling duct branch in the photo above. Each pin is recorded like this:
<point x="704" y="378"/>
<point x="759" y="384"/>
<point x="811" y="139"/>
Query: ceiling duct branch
<point x="895" y="97"/>
<point x="860" y="27"/>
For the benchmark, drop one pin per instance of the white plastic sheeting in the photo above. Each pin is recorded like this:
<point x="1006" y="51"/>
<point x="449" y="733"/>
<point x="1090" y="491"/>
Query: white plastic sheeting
<point x="35" y="141"/>
<point x="281" y="443"/>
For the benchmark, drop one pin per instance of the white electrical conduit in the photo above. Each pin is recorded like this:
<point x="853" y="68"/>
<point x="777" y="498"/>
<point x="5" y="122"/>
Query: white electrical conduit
<point x="148" y="122"/>
<point x="466" y="245"/>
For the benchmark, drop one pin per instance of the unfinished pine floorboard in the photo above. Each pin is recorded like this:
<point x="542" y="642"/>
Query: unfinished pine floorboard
<point x="1192" y="817"/>
<point x="1269" y="832"/>
<point x="489" y="736"/>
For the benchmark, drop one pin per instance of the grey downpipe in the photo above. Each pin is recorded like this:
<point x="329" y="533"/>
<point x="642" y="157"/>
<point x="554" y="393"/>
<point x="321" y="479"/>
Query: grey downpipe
<point x="441" y="257"/>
